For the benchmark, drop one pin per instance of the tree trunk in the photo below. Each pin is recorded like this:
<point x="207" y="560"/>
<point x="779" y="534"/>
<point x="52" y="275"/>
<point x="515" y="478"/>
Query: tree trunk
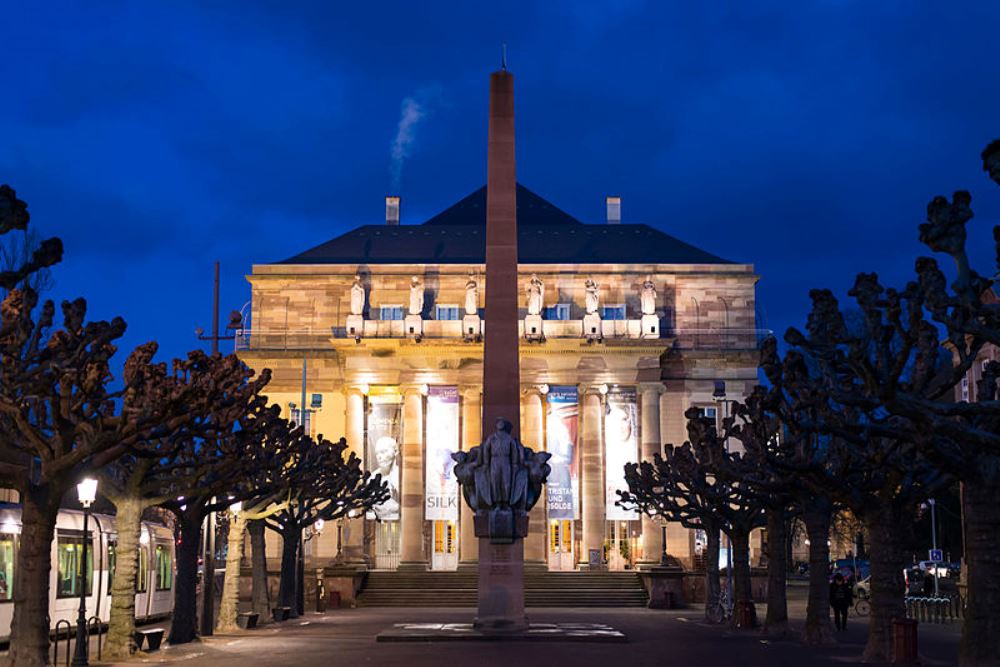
<point x="231" y="584"/>
<point x="887" y="534"/>
<point x="776" y="620"/>
<point x="29" y="628"/>
<point x="712" y="587"/>
<point x="817" y="630"/>
<point x="789" y="527"/>
<point x="183" y="627"/>
<point x="739" y="542"/>
<point x="258" y="568"/>
<point x="121" y="626"/>
<point x="289" y="569"/>
<point x="980" y="644"/>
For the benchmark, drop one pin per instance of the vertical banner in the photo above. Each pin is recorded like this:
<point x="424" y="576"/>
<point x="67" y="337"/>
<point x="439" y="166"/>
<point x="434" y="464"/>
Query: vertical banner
<point x="562" y="420"/>
<point x="441" y="487"/>
<point x="382" y="454"/>
<point x="620" y="447"/>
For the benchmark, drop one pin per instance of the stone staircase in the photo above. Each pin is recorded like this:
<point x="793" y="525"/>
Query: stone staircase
<point x="408" y="588"/>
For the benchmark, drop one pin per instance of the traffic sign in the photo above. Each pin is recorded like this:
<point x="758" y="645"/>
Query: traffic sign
<point x="936" y="555"/>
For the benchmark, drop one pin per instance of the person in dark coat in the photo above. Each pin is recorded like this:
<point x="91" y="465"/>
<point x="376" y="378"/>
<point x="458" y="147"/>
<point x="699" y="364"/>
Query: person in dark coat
<point x="841" y="599"/>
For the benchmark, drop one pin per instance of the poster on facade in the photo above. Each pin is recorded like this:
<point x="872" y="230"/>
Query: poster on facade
<point x="441" y="487"/>
<point x="382" y="453"/>
<point x="562" y="487"/>
<point x="620" y="447"/>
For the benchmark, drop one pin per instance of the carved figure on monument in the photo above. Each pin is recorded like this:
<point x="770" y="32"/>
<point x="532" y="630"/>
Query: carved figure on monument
<point x="648" y="297"/>
<point x="357" y="296"/>
<point x="471" y="296"/>
<point x="536" y="292"/>
<point x="501" y="481"/>
<point x="416" y="296"/>
<point x="593" y="296"/>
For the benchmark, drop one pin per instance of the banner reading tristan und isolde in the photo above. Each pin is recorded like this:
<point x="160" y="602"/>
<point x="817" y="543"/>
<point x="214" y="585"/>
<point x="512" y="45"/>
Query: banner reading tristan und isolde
<point x="562" y="487"/>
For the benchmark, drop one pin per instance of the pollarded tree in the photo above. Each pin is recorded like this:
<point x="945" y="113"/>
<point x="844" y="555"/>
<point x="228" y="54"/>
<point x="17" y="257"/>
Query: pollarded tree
<point x="693" y="484"/>
<point x="148" y="475"/>
<point x="324" y="485"/>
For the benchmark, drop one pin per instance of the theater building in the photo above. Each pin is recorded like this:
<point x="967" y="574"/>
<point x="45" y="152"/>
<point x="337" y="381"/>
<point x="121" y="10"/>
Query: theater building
<point x="622" y="328"/>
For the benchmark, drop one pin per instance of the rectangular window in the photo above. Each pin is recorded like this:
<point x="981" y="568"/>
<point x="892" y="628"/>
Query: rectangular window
<point x="112" y="562"/>
<point x="164" y="569"/>
<point x="708" y="412"/>
<point x="390" y="312"/>
<point x="965" y="388"/>
<point x="446" y="313"/>
<point x="616" y="312"/>
<point x="7" y="545"/>
<point x="69" y="567"/>
<point x="559" y="311"/>
<point x="142" y="572"/>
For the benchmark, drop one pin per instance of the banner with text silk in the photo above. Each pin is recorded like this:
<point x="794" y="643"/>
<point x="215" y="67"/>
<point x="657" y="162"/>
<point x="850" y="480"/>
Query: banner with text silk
<point x="562" y="420"/>
<point x="441" y="487"/>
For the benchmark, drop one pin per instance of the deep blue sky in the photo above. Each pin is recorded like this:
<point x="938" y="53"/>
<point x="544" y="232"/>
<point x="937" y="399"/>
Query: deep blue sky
<point x="804" y="137"/>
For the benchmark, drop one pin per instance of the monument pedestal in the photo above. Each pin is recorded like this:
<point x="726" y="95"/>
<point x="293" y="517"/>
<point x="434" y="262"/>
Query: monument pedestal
<point x="414" y="325"/>
<point x="591" y="326"/>
<point x="650" y="326"/>
<point x="501" y="587"/>
<point x="355" y="325"/>
<point x="471" y="326"/>
<point x="533" y="327"/>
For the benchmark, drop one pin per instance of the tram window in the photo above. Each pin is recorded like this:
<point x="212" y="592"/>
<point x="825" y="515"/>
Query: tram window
<point x="6" y="566"/>
<point x="164" y="571"/>
<point x="70" y="551"/>
<point x="142" y="573"/>
<point x="112" y="562"/>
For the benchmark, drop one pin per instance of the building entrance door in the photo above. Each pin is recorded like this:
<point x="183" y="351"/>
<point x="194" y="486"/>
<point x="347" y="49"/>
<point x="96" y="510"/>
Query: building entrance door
<point x="561" y="545"/>
<point x="445" y="556"/>
<point x="621" y="546"/>
<point x="386" y="545"/>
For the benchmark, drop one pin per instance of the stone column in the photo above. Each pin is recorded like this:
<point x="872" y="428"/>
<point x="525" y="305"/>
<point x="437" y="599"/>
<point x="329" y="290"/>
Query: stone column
<point x="673" y="429"/>
<point x="652" y="537"/>
<point x="353" y="532"/>
<point x="533" y="435"/>
<point x="412" y="484"/>
<point x="592" y="484"/>
<point x="472" y="433"/>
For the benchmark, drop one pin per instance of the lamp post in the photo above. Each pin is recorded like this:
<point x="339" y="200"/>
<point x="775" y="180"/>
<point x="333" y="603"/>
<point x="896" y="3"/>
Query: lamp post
<point x="934" y="545"/>
<point x="87" y="492"/>
<point x="722" y="403"/>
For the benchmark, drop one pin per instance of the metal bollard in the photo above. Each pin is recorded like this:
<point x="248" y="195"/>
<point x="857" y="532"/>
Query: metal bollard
<point x="69" y="645"/>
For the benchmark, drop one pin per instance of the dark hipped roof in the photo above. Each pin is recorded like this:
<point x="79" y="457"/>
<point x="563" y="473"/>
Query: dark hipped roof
<point x="546" y="235"/>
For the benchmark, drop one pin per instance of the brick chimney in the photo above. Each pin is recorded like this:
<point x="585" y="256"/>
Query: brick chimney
<point x="614" y="210"/>
<point x="392" y="210"/>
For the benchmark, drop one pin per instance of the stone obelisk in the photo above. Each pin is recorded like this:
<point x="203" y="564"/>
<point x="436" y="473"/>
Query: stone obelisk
<point x="501" y="566"/>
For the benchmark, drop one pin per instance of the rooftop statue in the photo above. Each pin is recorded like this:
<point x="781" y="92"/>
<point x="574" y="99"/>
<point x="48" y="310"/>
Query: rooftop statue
<point x="471" y="296"/>
<point x="501" y="480"/>
<point x="593" y="296"/>
<point x="536" y="292"/>
<point x="648" y="297"/>
<point x="357" y="296"/>
<point x="416" y="296"/>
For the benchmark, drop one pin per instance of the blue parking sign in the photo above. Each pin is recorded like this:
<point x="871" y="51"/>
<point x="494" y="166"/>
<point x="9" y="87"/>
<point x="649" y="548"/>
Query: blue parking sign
<point x="936" y="555"/>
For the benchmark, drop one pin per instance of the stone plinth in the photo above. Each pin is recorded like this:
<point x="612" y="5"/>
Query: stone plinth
<point x="665" y="586"/>
<point x="413" y="326"/>
<point x="650" y="326"/>
<point x="591" y="325"/>
<point x="533" y="327"/>
<point x="355" y="325"/>
<point x="501" y="587"/>
<point x="472" y="326"/>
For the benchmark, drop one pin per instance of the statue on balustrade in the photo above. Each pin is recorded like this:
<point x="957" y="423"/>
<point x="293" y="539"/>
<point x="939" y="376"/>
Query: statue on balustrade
<point x="536" y="295"/>
<point x="357" y="296"/>
<point x="471" y="296"/>
<point x="501" y="481"/>
<point x="593" y="297"/>
<point x="416" y="296"/>
<point x="648" y="297"/>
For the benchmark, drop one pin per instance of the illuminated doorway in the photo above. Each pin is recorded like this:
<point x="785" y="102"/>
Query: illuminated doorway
<point x="386" y="545"/>
<point x="445" y="555"/>
<point x="620" y="546"/>
<point x="561" y="545"/>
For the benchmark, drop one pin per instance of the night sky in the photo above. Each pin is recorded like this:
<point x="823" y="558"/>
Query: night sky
<point x="804" y="140"/>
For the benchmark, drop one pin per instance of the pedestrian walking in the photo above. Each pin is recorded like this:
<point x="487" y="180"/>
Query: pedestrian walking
<point x="841" y="599"/>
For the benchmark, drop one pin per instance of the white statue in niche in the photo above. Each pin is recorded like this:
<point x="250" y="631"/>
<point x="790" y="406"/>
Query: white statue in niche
<point x="416" y="296"/>
<point x="593" y="296"/>
<point x="357" y="296"/>
<point x="471" y="296"/>
<point x="648" y="297"/>
<point x="536" y="292"/>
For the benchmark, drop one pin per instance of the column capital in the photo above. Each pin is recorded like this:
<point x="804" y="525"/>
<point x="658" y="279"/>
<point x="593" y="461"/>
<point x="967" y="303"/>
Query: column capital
<point x="360" y="388"/>
<point x="658" y="387"/>
<point x="471" y="392"/>
<point x="598" y="388"/>
<point x="534" y="389"/>
<point x="408" y="390"/>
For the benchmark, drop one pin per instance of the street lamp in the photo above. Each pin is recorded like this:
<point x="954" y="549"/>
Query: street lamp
<point x="87" y="492"/>
<point x="719" y="396"/>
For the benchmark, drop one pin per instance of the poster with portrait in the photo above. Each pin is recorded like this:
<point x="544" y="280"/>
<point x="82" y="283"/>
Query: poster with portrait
<point x="440" y="485"/>
<point x="382" y="453"/>
<point x="562" y="420"/>
<point x="620" y="447"/>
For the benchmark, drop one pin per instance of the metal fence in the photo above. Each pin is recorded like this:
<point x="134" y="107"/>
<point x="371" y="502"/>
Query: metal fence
<point x="941" y="609"/>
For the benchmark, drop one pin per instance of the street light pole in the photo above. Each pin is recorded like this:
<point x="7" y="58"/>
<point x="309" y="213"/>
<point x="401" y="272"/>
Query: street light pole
<point x="87" y="491"/>
<point x="934" y="544"/>
<point x="719" y="396"/>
